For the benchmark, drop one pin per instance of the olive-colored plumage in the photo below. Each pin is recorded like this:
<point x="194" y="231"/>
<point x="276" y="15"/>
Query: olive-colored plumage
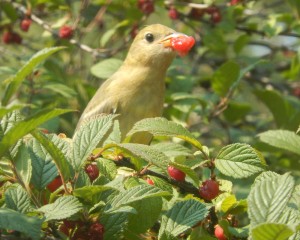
<point x="136" y="90"/>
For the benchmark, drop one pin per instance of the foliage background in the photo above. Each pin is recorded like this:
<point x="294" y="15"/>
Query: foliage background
<point x="209" y="91"/>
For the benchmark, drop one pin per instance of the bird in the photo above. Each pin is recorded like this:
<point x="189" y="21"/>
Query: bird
<point x="136" y="90"/>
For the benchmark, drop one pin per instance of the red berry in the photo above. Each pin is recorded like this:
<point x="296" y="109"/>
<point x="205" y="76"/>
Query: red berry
<point x="146" y="6"/>
<point x="176" y="174"/>
<point x="65" y="32"/>
<point x="150" y="181"/>
<point x="92" y="171"/>
<point x="173" y="13"/>
<point x="182" y="44"/>
<point x="7" y="37"/>
<point x="197" y="13"/>
<point x="209" y="189"/>
<point x="16" y="38"/>
<point x="296" y="92"/>
<point x="234" y="2"/>
<point x="216" y="17"/>
<point x="219" y="233"/>
<point x="55" y="184"/>
<point x="25" y="24"/>
<point x="96" y="231"/>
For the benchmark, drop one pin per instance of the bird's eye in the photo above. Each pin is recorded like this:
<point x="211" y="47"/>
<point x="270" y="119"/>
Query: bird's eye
<point x="149" y="37"/>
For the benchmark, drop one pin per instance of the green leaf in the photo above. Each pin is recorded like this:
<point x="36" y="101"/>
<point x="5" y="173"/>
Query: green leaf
<point x="283" y="139"/>
<point x="182" y="216"/>
<point x="269" y="197"/>
<point x="62" y="89"/>
<point x="24" y="127"/>
<point x="163" y="127"/>
<point x="295" y="200"/>
<point x="88" y="192"/>
<point x="25" y="71"/>
<point x="240" y="43"/>
<point x="10" y="219"/>
<point x="22" y="164"/>
<point x="239" y="232"/>
<point x="224" y="77"/>
<point x="114" y="224"/>
<point x="280" y="108"/>
<point x="271" y="231"/>
<point x="135" y="194"/>
<point x="6" y="110"/>
<point x="148" y="211"/>
<point x="107" y="168"/>
<point x="172" y="149"/>
<point x="43" y="168"/>
<point x="141" y="151"/>
<point x="16" y="198"/>
<point x="62" y="208"/>
<point x="58" y="156"/>
<point x="239" y="160"/>
<point x="88" y="137"/>
<point x="106" y="68"/>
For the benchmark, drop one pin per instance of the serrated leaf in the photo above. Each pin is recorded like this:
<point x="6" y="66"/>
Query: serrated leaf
<point x="269" y="197"/>
<point x="24" y="127"/>
<point x="114" y="224"/>
<point x="282" y="139"/>
<point x="106" y="68"/>
<point x="16" y="198"/>
<point x="171" y="149"/>
<point x="135" y="194"/>
<point x="224" y="77"/>
<point x="163" y="127"/>
<point x="88" y="137"/>
<point x="43" y="168"/>
<point x="26" y="70"/>
<point x="57" y="155"/>
<point x="182" y="216"/>
<point x="239" y="160"/>
<point x="6" y="110"/>
<point x="88" y="192"/>
<point x="295" y="199"/>
<point x="62" y="89"/>
<point x="22" y="163"/>
<point x="141" y="151"/>
<point x="271" y="231"/>
<point x="62" y="208"/>
<point x="107" y="168"/>
<point x="148" y="211"/>
<point x="10" y="219"/>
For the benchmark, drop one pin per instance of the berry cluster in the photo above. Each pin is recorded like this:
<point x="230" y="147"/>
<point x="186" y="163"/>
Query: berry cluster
<point x="146" y="6"/>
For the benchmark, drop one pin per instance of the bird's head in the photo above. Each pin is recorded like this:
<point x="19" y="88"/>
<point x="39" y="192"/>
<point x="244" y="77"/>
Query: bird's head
<point x="153" y="46"/>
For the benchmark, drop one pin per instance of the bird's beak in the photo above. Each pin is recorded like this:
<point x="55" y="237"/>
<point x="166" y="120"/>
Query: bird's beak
<point x="166" y="41"/>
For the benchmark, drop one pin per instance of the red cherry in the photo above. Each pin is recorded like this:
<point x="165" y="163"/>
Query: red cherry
<point x="7" y="37"/>
<point x="25" y="24"/>
<point x="150" y="181"/>
<point x="296" y="92"/>
<point x="209" y="189"/>
<point x="182" y="44"/>
<point x="96" y="231"/>
<point x="173" y="13"/>
<point x="234" y="2"/>
<point x="146" y="6"/>
<point x="92" y="171"/>
<point x="55" y="184"/>
<point x="17" y="38"/>
<point x="197" y="13"/>
<point x="216" y="17"/>
<point x="65" y="32"/>
<point x="219" y="233"/>
<point x="176" y="174"/>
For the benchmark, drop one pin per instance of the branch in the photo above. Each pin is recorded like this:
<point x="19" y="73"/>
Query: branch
<point x="47" y="27"/>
